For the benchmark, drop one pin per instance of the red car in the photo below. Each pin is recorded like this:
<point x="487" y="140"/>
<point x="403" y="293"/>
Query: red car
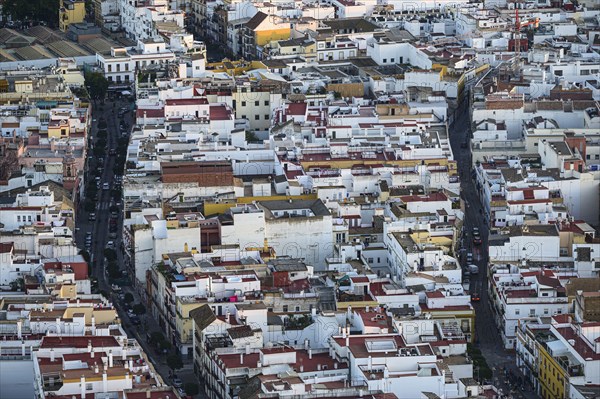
<point x="475" y="297"/>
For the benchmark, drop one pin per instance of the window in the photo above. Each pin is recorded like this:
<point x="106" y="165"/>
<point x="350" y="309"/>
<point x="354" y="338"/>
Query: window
<point x="243" y="103"/>
<point x="546" y="311"/>
<point x="18" y="218"/>
<point x="285" y="308"/>
<point x="257" y="103"/>
<point x="243" y="116"/>
<point x="89" y="387"/>
<point x="297" y="308"/>
<point x="393" y="60"/>
<point x="266" y="103"/>
<point x="256" y="117"/>
<point x="517" y="312"/>
<point x="384" y="60"/>
<point x="266" y="117"/>
<point x="531" y="312"/>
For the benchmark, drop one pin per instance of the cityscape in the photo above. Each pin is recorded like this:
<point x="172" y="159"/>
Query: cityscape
<point x="245" y="199"/>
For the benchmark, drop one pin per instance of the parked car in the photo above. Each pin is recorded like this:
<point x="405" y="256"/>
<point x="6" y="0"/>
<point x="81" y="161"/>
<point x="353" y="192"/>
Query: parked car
<point x="476" y="236"/>
<point x="473" y="269"/>
<point x="176" y="381"/>
<point x="469" y="257"/>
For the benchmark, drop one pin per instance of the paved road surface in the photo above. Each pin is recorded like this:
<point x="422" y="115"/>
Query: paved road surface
<point x="99" y="230"/>
<point x="487" y="335"/>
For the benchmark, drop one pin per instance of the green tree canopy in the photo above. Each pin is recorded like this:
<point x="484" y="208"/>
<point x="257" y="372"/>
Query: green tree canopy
<point x="174" y="362"/>
<point x="191" y="389"/>
<point x="138" y="309"/>
<point x="96" y="84"/>
<point x="32" y="10"/>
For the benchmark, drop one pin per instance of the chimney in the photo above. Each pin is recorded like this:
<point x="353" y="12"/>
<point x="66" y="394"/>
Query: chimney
<point x="127" y="379"/>
<point x="82" y="387"/>
<point x="306" y="346"/>
<point x="241" y="358"/>
<point x="131" y="364"/>
<point x="227" y="316"/>
<point x="19" y="329"/>
<point x="110" y="359"/>
<point x="89" y="349"/>
<point x="343" y="332"/>
<point x="52" y="355"/>
<point x="96" y="369"/>
<point x="93" y="325"/>
<point x="370" y="364"/>
<point x="148" y="394"/>
<point x="104" y="382"/>
<point x="58" y="325"/>
<point x="335" y="365"/>
<point x="319" y="367"/>
<point x="310" y="353"/>
<point x="367" y="308"/>
<point x="247" y="349"/>
<point x="302" y="368"/>
<point x="93" y="352"/>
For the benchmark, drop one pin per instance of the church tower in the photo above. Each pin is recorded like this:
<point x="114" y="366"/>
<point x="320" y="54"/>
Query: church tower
<point x="69" y="170"/>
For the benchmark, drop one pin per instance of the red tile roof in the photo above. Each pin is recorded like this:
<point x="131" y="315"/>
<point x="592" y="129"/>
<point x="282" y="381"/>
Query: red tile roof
<point x="584" y="350"/>
<point x="78" y="342"/>
<point x="160" y="393"/>
<point x="6" y="247"/>
<point x="439" y="196"/>
<point x="219" y="113"/>
<point x="150" y="112"/>
<point x="187" y="101"/>
<point x="296" y="109"/>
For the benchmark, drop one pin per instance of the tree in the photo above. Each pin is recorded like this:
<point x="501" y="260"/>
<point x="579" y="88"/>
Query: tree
<point x="139" y="309"/>
<point x="174" y="362"/>
<point x="110" y="254"/>
<point x="113" y="269"/>
<point x="191" y="389"/>
<point x="128" y="297"/>
<point x="85" y="255"/>
<point x="32" y="10"/>
<point x="89" y="205"/>
<point x="156" y="337"/>
<point x="96" y="85"/>
<point x="17" y="285"/>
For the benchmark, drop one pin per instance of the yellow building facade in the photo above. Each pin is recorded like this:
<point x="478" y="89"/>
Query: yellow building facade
<point x="70" y="12"/>
<point x="552" y="376"/>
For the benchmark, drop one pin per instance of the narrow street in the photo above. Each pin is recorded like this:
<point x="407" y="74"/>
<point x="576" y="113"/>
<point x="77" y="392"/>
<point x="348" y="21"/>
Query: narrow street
<point x="487" y="335"/>
<point x="100" y="231"/>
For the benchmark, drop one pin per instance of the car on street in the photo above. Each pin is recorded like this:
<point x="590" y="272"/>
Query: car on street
<point x="176" y="381"/>
<point x="106" y="186"/>
<point x="110" y="244"/>
<point x="92" y="217"/>
<point x="473" y="269"/>
<point x="476" y="236"/>
<point x="469" y="257"/>
<point x="475" y="297"/>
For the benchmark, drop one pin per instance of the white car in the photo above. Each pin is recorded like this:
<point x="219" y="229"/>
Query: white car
<point x="110" y="244"/>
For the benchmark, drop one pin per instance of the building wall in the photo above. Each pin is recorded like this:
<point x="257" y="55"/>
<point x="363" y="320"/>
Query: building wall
<point x="309" y="238"/>
<point x="263" y="37"/>
<point x="551" y="376"/>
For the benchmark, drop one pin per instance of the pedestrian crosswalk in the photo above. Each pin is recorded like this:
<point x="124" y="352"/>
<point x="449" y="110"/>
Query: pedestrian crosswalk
<point x="103" y="206"/>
